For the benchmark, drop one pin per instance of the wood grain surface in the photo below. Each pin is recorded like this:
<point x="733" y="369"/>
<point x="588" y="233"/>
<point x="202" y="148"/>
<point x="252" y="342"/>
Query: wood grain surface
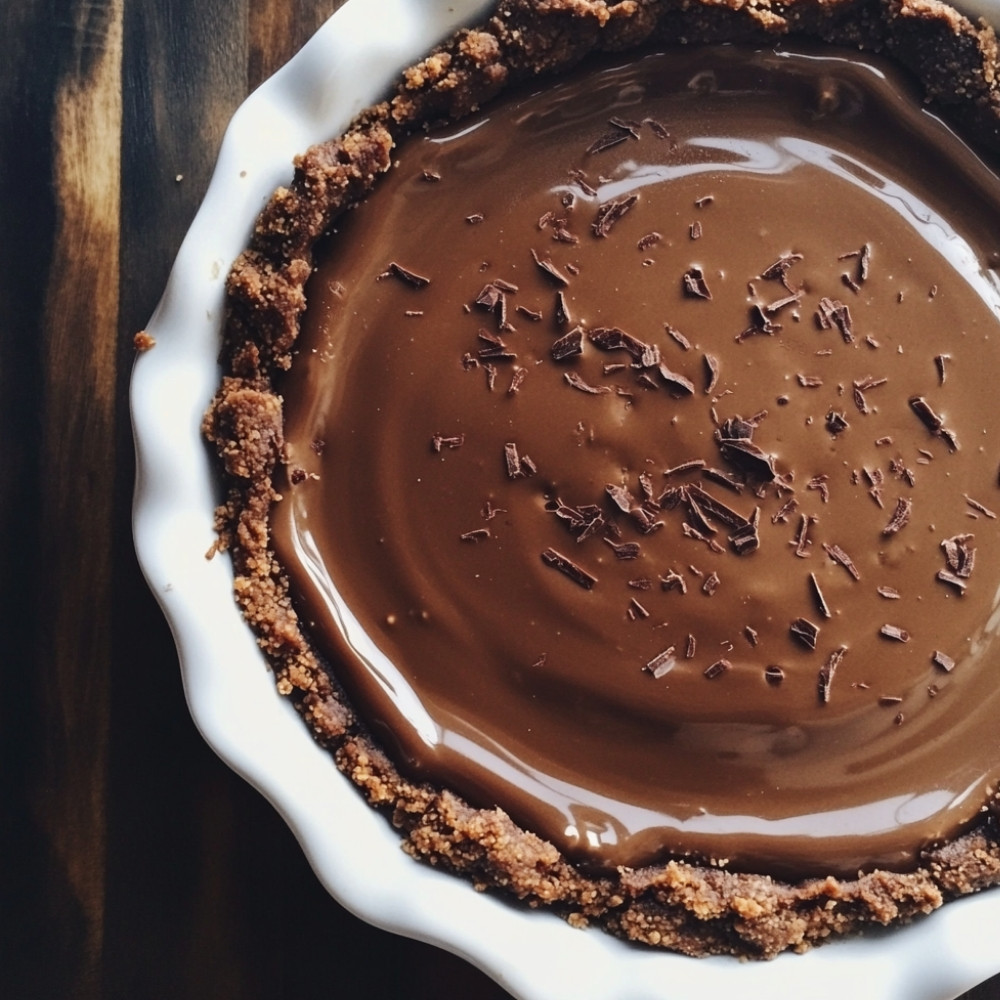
<point x="133" y="863"/>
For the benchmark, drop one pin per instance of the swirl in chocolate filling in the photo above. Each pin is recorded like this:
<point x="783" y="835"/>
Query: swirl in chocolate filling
<point x="642" y="463"/>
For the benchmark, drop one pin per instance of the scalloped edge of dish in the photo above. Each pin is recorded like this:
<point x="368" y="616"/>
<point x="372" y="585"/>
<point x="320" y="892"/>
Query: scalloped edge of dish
<point x="230" y="691"/>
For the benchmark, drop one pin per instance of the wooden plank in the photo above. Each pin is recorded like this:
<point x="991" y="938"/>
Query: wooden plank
<point x="66" y="579"/>
<point x="278" y="29"/>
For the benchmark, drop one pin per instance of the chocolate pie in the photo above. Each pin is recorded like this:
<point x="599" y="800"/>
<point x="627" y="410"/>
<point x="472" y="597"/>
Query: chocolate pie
<point x="613" y="484"/>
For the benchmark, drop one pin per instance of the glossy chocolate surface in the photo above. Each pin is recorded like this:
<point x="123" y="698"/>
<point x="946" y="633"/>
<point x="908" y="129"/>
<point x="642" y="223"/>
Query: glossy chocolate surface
<point x="481" y="528"/>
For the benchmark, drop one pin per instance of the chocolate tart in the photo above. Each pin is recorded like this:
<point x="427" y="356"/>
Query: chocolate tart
<point x="698" y="550"/>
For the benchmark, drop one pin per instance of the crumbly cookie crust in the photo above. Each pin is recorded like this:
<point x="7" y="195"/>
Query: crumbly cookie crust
<point x="686" y="907"/>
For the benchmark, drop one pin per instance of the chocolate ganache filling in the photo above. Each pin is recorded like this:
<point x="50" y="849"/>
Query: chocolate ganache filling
<point x="641" y="457"/>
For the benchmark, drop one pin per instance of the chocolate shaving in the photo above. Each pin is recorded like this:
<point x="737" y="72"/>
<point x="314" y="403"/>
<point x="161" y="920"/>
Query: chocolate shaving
<point x="621" y="497"/>
<point x="475" y="218"/>
<point x="734" y="440"/>
<point x="705" y="199"/>
<point x="534" y="315"/>
<point x="496" y="349"/>
<point x="808" y="381"/>
<point x="760" y="324"/>
<point x="679" y="385"/>
<point x="518" y="466"/>
<point x="695" y="230"/>
<point x="875" y="479"/>
<point x="697" y="514"/>
<point x="606" y="141"/>
<point x="861" y="386"/>
<point x="636" y="610"/>
<point x="715" y="507"/>
<point x="838" y="555"/>
<point x="933" y="422"/>
<point x="864" y="256"/>
<point x="711" y="373"/>
<point x="774" y="675"/>
<point x="489" y="511"/>
<point x="889" y="593"/>
<point x="632" y="127"/>
<point x="691" y="647"/>
<point x="691" y="466"/>
<point x="624" y="550"/>
<point x="662" y="663"/>
<point x="440" y="441"/>
<point x="516" y="381"/>
<point x="961" y="559"/>
<point x="612" y="339"/>
<point x="694" y="285"/>
<point x="778" y="304"/>
<point x="477" y="535"/>
<point x="827" y="671"/>
<point x="561" y="309"/>
<point x="940" y="360"/>
<point x="569" y="568"/>
<point x="976" y="505"/>
<point x="889" y="700"/>
<point x="778" y="271"/>
<point x="943" y="660"/>
<point x="673" y="581"/>
<point x="822" y="606"/>
<point x="805" y="631"/>
<point x="611" y="213"/>
<point x="678" y="337"/>
<point x="411" y="278"/>
<point x="583" y="521"/>
<point x="781" y="515"/>
<point x="698" y="536"/>
<point x="947" y="576"/>
<point x="895" y="632"/>
<point x="821" y="484"/>
<point x="568" y="346"/>
<point x="833" y="313"/>
<point x="641" y="583"/>
<point x="657" y="128"/>
<point x="836" y="422"/>
<point x="724" y="479"/>
<point x="577" y="383"/>
<point x="549" y="269"/>
<point x="649" y="240"/>
<point x="745" y="539"/>
<point x="581" y="180"/>
<point x="900" y="517"/>
<point x="717" y="669"/>
<point x="802" y="541"/>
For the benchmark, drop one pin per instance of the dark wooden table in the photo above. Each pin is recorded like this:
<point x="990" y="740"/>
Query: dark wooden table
<point x="133" y="863"/>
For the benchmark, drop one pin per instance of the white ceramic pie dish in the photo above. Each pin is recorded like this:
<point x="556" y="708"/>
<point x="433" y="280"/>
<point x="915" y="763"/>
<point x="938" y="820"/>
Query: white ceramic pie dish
<point x="231" y="694"/>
